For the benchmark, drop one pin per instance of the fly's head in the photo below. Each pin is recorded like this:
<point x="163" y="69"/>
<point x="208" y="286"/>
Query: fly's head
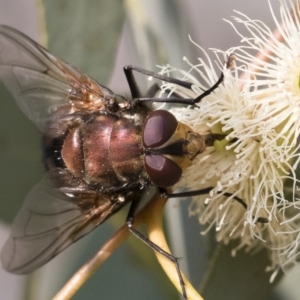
<point x="169" y="146"/>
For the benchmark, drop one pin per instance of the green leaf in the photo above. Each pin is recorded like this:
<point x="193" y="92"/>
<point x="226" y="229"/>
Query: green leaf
<point x="21" y="156"/>
<point x="240" y="277"/>
<point x="85" y="33"/>
<point x="159" y="32"/>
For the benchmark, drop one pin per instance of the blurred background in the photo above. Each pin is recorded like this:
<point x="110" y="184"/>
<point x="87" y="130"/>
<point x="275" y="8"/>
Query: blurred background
<point x="100" y="38"/>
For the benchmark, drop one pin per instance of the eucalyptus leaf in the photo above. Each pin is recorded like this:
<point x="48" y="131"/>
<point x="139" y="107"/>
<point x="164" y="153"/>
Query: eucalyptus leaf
<point x="21" y="157"/>
<point x="159" y="31"/>
<point x="85" y="33"/>
<point x="234" y="278"/>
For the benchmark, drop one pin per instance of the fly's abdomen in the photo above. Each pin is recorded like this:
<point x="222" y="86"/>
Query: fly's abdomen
<point x="106" y="151"/>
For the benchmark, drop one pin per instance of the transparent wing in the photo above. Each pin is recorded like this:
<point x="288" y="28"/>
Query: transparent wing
<point x="46" y="88"/>
<point x="49" y="221"/>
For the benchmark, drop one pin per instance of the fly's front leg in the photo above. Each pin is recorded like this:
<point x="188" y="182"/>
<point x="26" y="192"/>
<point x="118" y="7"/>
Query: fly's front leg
<point x="137" y="96"/>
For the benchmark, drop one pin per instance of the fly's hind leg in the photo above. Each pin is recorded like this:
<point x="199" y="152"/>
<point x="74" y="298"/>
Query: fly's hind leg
<point x="173" y="259"/>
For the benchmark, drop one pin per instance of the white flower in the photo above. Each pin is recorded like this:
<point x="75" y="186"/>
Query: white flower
<point x="258" y="107"/>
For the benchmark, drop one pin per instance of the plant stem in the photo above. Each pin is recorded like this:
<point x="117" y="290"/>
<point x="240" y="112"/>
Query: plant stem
<point x="156" y="235"/>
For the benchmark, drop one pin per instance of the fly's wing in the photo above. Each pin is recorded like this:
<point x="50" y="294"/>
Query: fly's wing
<point x="51" y="93"/>
<point x="49" y="221"/>
<point x="45" y="88"/>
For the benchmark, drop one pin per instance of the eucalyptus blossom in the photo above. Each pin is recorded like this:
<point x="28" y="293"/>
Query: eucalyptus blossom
<point x="257" y="109"/>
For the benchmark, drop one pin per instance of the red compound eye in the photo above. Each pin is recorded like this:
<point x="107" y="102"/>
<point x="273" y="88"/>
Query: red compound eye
<point x="159" y="127"/>
<point x="162" y="171"/>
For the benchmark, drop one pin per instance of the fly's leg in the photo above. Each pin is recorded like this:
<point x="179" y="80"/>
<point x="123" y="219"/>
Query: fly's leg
<point x="152" y="90"/>
<point x="137" y="96"/>
<point x="174" y="259"/>
<point x="164" y="193"/>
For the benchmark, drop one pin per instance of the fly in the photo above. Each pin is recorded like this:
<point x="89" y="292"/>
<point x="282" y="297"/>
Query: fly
<point x="101" y="150"/>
